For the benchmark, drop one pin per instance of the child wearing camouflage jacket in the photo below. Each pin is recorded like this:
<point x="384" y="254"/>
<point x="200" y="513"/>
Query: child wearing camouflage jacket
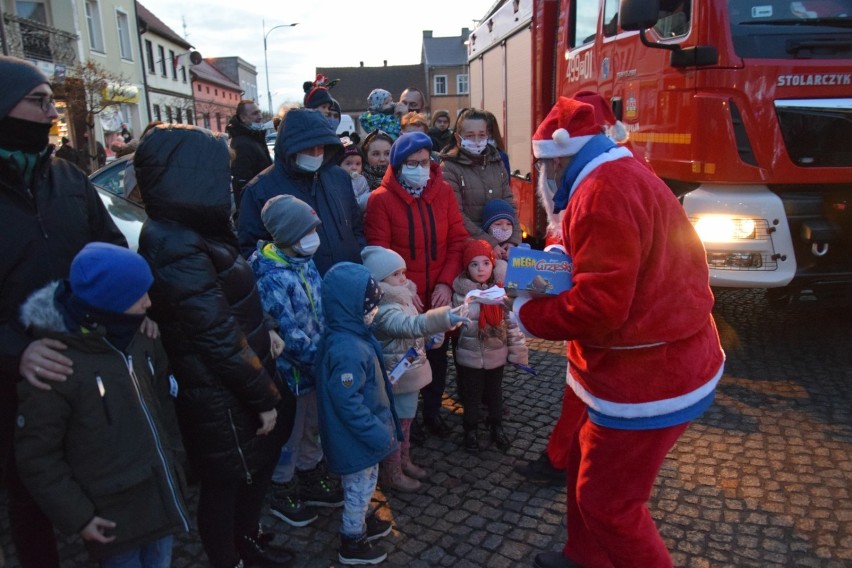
<point x="289" y="286"/>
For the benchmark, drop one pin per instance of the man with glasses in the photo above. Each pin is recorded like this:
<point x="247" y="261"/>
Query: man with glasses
<point x="48" y="212"/>
<point x="248" y="141"/>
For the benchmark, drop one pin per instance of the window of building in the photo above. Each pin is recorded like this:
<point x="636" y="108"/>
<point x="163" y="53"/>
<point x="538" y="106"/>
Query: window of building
<point x="183" y="73"/>
<point x="179" y="115"/>
<point x="123" y="25"/>
<point x="36" y="11"/>
<point x="149" y="53"/>
<point x="461" y="84"/>
<point x="439" y="85"/>
<point x="93" y="25"/>
<point x="216" y="92"/>
<point x="206" y="117"/>
<point x="168" y="114"/>
<point x="189" y="117"/>
<point x="157" y="115"/>
<point x="199" y="88"/>
<point x="172" y="64"/>
<point x="208" y="90"/>
<point x="218" y="122"/>
<point x="161" y="52"/>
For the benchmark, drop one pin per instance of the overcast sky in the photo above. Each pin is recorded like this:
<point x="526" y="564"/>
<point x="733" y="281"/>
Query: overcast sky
<point x="331" y="33"/>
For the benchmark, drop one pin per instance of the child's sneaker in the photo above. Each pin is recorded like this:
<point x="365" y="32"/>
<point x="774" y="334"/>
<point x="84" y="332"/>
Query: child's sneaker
<point x="359" y="550"/>
<point x="285" y="505"/>
<point x="377" y="528"/>
<point x="318" y="490"/>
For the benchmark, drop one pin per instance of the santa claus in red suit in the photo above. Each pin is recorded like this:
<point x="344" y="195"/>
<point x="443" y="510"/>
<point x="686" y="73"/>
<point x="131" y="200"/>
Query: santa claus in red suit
<point x="644" y="355"/>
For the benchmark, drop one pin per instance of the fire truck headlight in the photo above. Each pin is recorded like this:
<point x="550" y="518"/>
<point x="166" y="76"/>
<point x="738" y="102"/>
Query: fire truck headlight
<point x="721" y="228"/>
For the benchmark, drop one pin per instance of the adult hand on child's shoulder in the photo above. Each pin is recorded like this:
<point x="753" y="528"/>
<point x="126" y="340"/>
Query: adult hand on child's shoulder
<point x="150" y="329"/>
<point x="97" y="530"/>
<point x="42" y="360"/>
<point x="441" y="295"/>
<point x="276" y="343"/>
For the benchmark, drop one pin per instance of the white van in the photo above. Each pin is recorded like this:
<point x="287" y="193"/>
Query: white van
<point x="346" y="124"/>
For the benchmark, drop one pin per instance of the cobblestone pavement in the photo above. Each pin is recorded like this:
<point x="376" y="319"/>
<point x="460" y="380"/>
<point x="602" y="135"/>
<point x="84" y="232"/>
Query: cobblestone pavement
<point x="763" y="479"/>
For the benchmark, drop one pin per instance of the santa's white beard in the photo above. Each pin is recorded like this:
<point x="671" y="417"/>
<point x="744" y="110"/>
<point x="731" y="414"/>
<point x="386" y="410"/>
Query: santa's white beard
<point x="545" y="193"/>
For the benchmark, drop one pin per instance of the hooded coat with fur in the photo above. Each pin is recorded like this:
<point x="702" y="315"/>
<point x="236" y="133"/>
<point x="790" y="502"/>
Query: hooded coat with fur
<point x="399" y="326"/>
<point x="205" y="300"/>
<point x="113" y="453"/>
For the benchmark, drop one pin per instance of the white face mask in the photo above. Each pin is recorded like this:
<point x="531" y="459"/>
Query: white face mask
<point x="309" y="163"/>
<point x="415" y="177"/>
<point x="474" y="147"/>
<point x="308" y="244"/>
<point x="368" y="318"/>
<point x="256" y="125"/>
<point x="500" y="235"/>
<point x="492" y="142"/>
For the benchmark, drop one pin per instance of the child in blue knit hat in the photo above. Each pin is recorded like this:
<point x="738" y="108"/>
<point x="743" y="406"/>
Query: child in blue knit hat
<point x="498" y="221"/>
<point x="101" y="452"/>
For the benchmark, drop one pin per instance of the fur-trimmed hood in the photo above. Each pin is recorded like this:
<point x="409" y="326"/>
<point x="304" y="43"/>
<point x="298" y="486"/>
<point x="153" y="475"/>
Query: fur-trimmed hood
<point x="399" y="294"/>
<point x="41" y="313"/>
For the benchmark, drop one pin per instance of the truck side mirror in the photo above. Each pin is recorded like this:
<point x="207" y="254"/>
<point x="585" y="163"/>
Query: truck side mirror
<point x="638" y="14"/>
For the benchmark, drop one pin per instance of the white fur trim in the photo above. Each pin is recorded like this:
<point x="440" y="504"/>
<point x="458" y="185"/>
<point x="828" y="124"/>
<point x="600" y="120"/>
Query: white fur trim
<point x="516" y="311"/>
<point x="612" y="155"/>
<point x="644" y="409"/>
<point x="553" y="149"/>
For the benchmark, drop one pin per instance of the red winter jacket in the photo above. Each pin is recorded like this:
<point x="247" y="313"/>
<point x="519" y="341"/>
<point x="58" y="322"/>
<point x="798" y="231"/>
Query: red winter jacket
<point x="428" y="232"/>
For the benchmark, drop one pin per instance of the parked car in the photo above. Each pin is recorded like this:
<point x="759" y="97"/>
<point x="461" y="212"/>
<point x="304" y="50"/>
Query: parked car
<point x="118" y="177"/>
<point x="127" y="215"/>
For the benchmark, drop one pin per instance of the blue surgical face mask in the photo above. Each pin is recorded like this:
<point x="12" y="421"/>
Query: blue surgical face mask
<point x="415" y="177"/>
<point x="474" y="147"/>
<point x="309" y="163"/>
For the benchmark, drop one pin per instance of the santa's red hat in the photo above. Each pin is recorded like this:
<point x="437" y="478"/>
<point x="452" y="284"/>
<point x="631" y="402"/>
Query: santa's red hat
<point x="615" y="129"/>
<point x="565" y="129"/>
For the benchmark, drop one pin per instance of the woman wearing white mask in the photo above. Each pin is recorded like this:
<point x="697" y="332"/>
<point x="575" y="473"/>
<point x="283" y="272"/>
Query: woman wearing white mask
<point x="415" y="214"/>
<point x="307" y="152"/>
<point x="475" y="170"/>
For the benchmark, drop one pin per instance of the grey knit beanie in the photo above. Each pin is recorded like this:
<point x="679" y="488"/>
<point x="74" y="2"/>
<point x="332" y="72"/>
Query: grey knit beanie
<point x="19" y="78"/>
<point x="288" y="219"/>
<point x="381" y="262"/>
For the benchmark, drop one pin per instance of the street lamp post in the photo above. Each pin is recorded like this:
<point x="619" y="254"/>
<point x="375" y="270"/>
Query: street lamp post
<point x="266" y="61"/>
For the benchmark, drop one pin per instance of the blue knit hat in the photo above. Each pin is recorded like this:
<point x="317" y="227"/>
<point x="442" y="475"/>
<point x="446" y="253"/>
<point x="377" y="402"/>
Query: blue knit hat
<point x="109" y="277"/>
<point x="496" y="209"/>
<point x="19" y="78"/>
<point x="406" y="145"/>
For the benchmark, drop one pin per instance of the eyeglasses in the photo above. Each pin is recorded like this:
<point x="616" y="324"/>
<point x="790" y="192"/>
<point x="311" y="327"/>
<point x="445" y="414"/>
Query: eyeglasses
<point x="44" y="101"/>
<point x="414" y="163"/>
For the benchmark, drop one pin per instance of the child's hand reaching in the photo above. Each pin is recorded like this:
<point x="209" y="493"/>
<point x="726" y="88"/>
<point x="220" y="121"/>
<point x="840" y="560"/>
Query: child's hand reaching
<point x="458" y="316"/>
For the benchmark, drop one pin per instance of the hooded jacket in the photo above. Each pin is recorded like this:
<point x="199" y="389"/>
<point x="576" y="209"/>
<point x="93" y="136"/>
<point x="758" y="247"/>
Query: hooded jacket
<point x="328" y="191"/>
<point x="358" y="424"/>
<point x="428" y="232"/>
<point x="205" y="300"/>
<point x="399" y="327"/>
<point x="252" y="154"/>
<point x="41" y="231"/>
<point x="476" y="180"/>
<point x="104" y="442"/>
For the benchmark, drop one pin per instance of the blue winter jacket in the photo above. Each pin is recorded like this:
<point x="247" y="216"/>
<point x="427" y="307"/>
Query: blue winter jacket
<point x="358" y="424"/>
<point x="328" y="191"/>
<point x="289" y="290"/>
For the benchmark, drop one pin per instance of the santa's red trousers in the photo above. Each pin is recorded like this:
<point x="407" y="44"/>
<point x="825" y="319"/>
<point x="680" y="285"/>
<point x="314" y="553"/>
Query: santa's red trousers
<point x="610" y="475"/>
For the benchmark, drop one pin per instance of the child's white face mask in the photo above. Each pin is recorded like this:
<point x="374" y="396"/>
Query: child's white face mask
<point x="308" y="244"/>
<point x="500" y="235"/>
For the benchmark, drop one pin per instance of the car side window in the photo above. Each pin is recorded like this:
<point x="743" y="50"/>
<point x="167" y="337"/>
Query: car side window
<point x="675" y="18"/>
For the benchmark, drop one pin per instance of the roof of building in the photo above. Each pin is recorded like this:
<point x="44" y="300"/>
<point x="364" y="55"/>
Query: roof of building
<point x="356" y="82"/>
<point x="153" y="23"/>
<point x="445" y="51"/>
<point x="206" y="72"/>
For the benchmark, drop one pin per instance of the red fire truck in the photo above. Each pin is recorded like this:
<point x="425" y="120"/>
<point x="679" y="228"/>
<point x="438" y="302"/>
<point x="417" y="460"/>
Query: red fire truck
<point x="744" y="107"/>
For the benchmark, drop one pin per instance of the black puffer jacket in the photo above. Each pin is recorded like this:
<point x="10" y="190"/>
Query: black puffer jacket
<point x="41" y="230"/>
<point x="206" y="303"/>
<point x="252" y="154"/>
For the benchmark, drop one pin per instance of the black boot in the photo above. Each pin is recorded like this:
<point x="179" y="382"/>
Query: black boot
<point x="359" y="550"/>
<point x="471" y="443"/>
<point x="499" y="437"/>
<point x="255" y="554"/>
